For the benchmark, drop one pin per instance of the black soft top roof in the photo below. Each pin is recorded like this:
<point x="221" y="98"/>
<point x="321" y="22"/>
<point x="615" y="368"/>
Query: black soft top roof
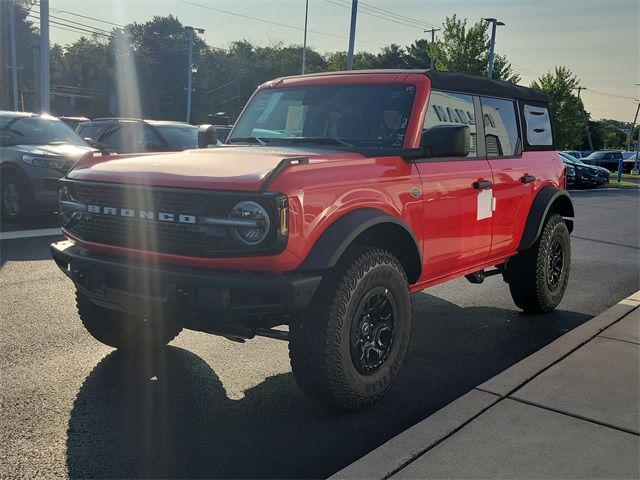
<point x="483" y="86"/>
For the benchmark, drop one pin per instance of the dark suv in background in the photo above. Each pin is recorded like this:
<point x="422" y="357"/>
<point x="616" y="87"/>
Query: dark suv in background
<point x="123" y="135"/>
<point x="35" y="151"/>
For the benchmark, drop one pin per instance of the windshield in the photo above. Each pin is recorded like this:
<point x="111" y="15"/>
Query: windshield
<point x="36" y="131"/>
<point x="597" y="155"/>
<point x="358" y="115"/>
<point x="179" y="137"/>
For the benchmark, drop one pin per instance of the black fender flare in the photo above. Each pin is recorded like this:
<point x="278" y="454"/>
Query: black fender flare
<point x="546" y="198"/>
<point x="333" y="242"/>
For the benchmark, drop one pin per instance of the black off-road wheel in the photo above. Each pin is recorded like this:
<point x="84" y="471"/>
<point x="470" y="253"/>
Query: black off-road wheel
<point x="538" y="276"/>
<point x="125" y="332"/>
<point x="16" y="199"/>
<point x="347" y="348"/>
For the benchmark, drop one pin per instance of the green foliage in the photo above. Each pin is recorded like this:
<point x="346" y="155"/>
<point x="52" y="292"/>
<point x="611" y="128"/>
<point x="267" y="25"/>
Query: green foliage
<point x="566" y="109"/>
<point x="463" y="48"/>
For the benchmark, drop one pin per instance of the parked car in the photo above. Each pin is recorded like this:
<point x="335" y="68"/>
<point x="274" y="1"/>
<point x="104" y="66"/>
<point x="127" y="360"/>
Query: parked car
<point x="571" y="175"/>
<point x="609" y="160"/>
<point x="337" y="196"/>
<point x="73" y="122"/>
<point x="124" y="135"/>
<point x="586" y="175"/>
<point x="35" y="151"/>
<point x="573" y="153"/>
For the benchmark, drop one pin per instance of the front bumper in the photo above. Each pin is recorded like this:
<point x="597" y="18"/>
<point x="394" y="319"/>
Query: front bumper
<point x="124" y="284"/>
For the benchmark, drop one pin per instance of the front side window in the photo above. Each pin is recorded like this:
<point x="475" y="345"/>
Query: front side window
<point x="179" y="137"/>
<point x="500" y="127"/>
<point x="447" y="108"/>
<point x="373" y="116"/>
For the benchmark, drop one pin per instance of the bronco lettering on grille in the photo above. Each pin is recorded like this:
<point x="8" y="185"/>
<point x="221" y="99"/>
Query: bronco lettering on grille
<point x="144" y="214"/>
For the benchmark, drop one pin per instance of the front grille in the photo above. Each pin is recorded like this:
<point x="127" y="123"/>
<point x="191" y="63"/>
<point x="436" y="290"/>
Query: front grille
<point x="159" y="235"/>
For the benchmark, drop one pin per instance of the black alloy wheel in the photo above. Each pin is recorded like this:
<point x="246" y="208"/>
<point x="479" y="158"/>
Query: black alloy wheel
<point x="373" y="330"/>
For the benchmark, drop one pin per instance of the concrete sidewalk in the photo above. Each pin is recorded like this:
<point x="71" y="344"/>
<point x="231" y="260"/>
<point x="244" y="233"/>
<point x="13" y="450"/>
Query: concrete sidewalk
<point x="571" y="410"/>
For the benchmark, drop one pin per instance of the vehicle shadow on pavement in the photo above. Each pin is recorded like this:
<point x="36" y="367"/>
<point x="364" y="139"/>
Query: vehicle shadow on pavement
<point x="25" y="249"/>
<point x="170" y="416"/>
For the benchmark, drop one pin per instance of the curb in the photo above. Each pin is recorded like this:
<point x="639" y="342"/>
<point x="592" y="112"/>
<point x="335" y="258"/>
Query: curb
<point x="401" y="450"/>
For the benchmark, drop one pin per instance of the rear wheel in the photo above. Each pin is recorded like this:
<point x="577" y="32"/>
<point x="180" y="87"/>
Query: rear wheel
<point x="17" y="200"/>
<point x="347" y="348"/>
<point x="538" y="276"/>
<point x="122" y="331"/>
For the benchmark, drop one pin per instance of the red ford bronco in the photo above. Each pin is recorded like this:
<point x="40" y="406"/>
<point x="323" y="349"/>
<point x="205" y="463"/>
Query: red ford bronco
<point x="336" y="197"/>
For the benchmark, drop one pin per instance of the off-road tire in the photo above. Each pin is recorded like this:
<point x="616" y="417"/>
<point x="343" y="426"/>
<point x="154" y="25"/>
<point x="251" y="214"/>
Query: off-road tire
<point x="22" y="210"/>
<point x="528" y="273"/>
<point x="122" y="331"/>
<point x="320" y="345"/>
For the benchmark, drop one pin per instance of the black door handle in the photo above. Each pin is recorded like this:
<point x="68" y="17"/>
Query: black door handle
<point x="527" y="179"/>
<point x="481" y="185"/>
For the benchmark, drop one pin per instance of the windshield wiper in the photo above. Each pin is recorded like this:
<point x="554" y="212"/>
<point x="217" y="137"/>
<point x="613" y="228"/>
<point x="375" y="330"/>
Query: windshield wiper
<point x="258" y="140"/>
<point x="322" y="141"/>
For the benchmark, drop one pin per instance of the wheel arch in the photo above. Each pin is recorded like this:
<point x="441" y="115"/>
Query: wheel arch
<point x="548" y="200"/>
<point x="369" y="227"/>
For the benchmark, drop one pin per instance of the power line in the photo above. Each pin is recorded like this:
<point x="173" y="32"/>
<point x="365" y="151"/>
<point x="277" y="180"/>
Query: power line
<point x="88" y="18"/>
<point x="81" y="24"/>
<point x="397" y="15"/>
<point x="365" y="12"/>
<point x="608" y="94"/>
<point x="72" y="27"/>
<point x="270" y="22"/>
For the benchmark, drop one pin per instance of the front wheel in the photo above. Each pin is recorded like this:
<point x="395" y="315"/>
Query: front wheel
<point x="347" y="348"/>
<point x="122" y="331"/>
<point x="538" y="276"/>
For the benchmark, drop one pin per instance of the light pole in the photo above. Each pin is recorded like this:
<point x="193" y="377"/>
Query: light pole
<point x="304" y="45"/>
<point x="433" y="39"/>
<point x="352" y="34"/>
<point x="45" y="99"/>
<point x="494" y="23"/>
<point x="14" y="67"/>
<point x="191" y="68"/>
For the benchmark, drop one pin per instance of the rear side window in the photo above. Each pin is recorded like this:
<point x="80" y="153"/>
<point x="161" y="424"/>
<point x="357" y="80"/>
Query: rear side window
<point x="538" y="126"/>
<point x="501" y="134"/>
<point x="447" y="108"/>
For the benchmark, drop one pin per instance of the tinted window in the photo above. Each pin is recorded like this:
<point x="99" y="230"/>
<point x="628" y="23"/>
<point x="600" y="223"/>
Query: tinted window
<point x="179" y="137"/>
<point x="447" y="108"/>
<point x="364" y="115"/>
<point x="500" y="127"/>
<point x="36" y="131"/>
<point x="91" y="130"/>
<point x="116" y="139"/>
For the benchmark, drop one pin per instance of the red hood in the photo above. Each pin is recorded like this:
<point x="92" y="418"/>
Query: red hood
<point x="232" y="168"/>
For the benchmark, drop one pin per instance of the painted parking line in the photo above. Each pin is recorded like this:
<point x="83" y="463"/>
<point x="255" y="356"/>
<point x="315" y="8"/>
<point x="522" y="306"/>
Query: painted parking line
<point x="43" y="232"/>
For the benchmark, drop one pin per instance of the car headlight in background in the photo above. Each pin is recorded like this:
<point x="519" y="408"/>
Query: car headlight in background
<point x="257" y="222"/>
<point x="49" y="162"/>
<point x="571" y="170"/>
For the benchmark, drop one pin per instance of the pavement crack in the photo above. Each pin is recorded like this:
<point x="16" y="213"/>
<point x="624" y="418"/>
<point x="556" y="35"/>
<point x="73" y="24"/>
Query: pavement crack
<point x="606" y="242"/>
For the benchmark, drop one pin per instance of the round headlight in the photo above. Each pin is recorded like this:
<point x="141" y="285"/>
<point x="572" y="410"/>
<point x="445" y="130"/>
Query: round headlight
<point x="252" y="223"/>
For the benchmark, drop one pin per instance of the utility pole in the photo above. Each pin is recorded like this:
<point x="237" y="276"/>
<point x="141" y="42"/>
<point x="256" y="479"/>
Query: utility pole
<point x="586" y="122"/>
<point x="633" y="125"/>
<point x="494" y="23"/>
<point x="14" y="67"/>
<point x="45" y="98"/>
<point x="191" y="69"/>
<point x="304" y="45"/>
<point x="352" y="33"/>
<point x="433" y="39"/>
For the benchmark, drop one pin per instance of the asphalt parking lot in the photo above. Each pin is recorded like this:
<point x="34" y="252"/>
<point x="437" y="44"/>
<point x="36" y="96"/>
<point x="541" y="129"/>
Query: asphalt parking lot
<point x="208" y="407"/>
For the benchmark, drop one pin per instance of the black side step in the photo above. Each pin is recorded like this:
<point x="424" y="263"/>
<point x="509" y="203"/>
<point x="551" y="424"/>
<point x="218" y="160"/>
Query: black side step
<point x="480" y="275"/>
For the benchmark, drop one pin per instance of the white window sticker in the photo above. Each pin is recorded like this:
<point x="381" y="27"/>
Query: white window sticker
<point x="485" y="204"/>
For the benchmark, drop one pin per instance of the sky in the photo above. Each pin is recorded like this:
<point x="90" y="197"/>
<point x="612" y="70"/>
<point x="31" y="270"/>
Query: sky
<point x="598" y="40"/>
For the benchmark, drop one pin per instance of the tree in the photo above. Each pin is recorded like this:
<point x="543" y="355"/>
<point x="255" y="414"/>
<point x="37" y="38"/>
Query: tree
<point x="566" y="109"/>
<point x="466" y="49"/>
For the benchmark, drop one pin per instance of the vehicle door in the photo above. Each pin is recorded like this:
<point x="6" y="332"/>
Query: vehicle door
<point x="456" y="193"/>
<point x="513" y="179"/>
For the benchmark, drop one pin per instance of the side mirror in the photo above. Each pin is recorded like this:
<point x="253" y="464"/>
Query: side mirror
<point x="447" y="141"/>
<point x="207" y="135"/>
<point x="91" y="142"/>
